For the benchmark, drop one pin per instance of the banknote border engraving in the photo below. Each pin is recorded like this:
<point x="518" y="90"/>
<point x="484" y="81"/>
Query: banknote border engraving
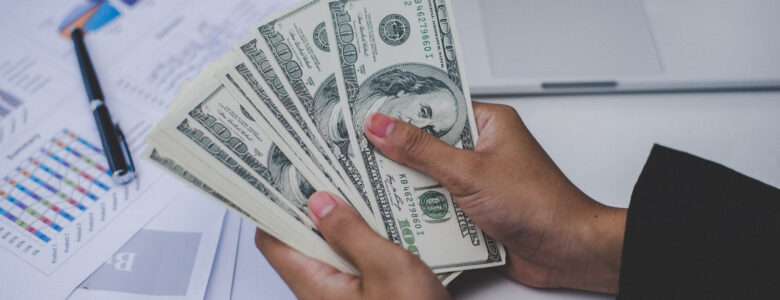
<point x="291" y="69"/>
<point x="277" y="114"/>
<point x="344" y="35"/>
<point x="209" y="146"/>
<point x="260" y="61"/>
<point x="447" y="40"/>
<point x="228" y="139"/>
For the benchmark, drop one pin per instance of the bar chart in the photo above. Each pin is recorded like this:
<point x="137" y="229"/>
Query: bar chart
<point x="54" y="186"/>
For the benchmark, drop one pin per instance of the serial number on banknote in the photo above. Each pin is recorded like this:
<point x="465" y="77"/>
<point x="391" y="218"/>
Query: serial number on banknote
<point x="422" y="23"/>
<point x="410" y="228"/>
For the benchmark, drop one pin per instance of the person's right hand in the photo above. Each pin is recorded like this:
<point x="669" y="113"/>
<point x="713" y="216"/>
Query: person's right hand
<point x="555" y="235"/>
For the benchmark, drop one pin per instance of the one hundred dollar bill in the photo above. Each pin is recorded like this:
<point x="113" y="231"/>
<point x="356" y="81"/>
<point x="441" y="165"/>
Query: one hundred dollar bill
<point x="256" y="119"/>
<point x="229" y="123"/>
<point x="297" y="42"/>
<point x="258" y="63"/>
<point x="400" y="58"/>
<point x="213" y="140"/>
<point x="261" y="102"/>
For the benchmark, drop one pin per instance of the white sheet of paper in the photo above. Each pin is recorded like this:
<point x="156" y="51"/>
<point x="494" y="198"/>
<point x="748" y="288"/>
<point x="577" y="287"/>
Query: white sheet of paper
<point x="170" y="258"/>
<point x="254" y="277"/>
<point x="221" y="281"/>
<point x="72" y="217"/>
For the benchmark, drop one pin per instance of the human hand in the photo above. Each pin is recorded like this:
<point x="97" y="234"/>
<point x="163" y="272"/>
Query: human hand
<point x="555" y="235"/>
<point x="387" y="271"/>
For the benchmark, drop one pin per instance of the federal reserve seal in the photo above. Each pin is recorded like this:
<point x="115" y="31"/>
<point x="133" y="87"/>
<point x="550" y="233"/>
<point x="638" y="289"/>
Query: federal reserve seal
<point x="434" y="206"/>
<point x="321" y="38"/>
<point x="394" y="30"/>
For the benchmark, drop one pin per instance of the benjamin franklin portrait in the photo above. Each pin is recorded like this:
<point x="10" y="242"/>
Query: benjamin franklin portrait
<point x="418" y="94"/>
<point x="292" y="184"/>
<point x="330" y="117"/>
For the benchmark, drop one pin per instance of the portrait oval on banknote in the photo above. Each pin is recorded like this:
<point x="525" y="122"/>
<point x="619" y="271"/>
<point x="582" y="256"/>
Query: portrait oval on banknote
<point x="290" y="183"/>
<point x="418" y="94"/>
<point x="330" y="117"/>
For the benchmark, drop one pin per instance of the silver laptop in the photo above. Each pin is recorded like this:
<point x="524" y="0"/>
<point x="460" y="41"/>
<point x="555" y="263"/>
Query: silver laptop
<point x="576" y="46"/>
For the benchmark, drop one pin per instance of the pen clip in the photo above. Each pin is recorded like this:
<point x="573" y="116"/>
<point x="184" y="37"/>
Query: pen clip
<point x="125" y="149"/>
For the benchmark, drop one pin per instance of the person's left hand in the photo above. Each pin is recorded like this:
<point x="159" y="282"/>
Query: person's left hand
<point x="387" y="271"/>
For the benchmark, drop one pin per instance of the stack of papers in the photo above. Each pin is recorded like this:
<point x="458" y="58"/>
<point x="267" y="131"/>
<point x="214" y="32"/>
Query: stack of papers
<point x="65" y="229"/>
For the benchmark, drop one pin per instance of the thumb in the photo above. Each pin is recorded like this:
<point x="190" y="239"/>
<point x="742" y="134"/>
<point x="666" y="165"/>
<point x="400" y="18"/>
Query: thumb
<point x="404" y="143"/>
<point x="350" y="236"/>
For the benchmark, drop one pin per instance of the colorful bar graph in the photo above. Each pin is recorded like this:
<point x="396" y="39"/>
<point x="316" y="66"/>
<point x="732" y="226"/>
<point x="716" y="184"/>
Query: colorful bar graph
<point x="82" y="157"/>
<point x="40" y="199"/>
<point x="83" y="141"/>
<point x="72" y="168"/>
<point x="24" y="225"/>
<point x="49" y="191"/>
<point x="67" y="181"/>
<point x="30" y="211"/>
<point x="56" y="192"/>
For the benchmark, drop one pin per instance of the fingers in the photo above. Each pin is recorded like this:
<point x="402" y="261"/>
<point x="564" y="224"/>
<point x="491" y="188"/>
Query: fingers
<point x="483" y="114"/>
<point x="306" y="277"/>
<point x="411" y="146"/>
<point x="498" y="126"/>
<point x="352" y="238"/>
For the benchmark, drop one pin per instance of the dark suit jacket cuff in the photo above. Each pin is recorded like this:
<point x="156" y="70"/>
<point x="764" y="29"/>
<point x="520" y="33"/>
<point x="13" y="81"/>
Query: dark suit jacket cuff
<point x="697" y="229"/>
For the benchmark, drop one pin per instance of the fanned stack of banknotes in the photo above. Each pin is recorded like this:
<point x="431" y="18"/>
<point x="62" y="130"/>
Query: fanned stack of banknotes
<point x="281" y="117"/>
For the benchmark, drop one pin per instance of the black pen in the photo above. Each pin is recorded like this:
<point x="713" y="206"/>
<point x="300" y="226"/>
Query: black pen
<point x="114" y="144"/>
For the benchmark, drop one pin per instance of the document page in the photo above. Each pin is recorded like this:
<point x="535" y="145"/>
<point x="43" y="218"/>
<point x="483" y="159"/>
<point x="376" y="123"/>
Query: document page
<point x="170" y="258"/>
<point x="61" y="217"/>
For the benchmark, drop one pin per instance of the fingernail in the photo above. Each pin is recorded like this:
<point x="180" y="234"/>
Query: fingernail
<point x="380" y="125"/>
<point x="321" y="203"/>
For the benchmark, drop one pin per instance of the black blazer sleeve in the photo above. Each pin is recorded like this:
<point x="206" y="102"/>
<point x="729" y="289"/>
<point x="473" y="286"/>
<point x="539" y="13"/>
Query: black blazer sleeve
<point x="698" y="230"/>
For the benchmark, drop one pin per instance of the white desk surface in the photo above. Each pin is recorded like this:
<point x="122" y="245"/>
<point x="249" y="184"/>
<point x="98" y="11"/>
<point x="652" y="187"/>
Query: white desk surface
<point x="601" y="142"/>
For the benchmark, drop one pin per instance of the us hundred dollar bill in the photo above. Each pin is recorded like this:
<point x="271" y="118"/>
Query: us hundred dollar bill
<point x="400" y="58"/>
<point x="229" y="123"/>
<point x="256" y="118"/>
<point x="215" y="142"/>
<point x="260" y="67"/>
<point x="262" y="103"/>
<point x="298" y="43"/>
